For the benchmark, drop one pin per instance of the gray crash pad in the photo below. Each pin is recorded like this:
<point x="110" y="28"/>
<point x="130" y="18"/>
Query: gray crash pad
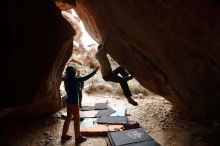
<point x="133" y="137"/>
<point x="96" y="113"/>
<point x="105" y="113"/>
<point x="112" y="120"/>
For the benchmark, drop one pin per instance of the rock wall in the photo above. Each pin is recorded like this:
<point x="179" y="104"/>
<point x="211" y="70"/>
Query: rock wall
<point x="36" y="45"/>
<point x="177" y="45"/>
<point x="171" y="47"/>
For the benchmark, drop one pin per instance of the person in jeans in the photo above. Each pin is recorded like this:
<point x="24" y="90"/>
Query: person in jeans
<point x="113" y="75"/>
<point x="71" y="84"/>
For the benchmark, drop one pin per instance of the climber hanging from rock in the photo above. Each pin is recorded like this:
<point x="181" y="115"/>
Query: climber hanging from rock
<point x="113" y="75"/>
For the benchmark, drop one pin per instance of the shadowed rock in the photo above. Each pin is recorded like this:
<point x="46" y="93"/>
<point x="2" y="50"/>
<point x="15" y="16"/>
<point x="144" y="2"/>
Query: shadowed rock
<point x="180" y="39"/>
<point x="37" y="43"/>
<point x="170" y="47"/>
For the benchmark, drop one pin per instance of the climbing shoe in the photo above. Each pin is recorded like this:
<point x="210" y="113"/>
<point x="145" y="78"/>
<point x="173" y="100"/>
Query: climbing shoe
<point x="131" y="101"/>
<point x="80" y="139"/>
<point x="65" y="138"/>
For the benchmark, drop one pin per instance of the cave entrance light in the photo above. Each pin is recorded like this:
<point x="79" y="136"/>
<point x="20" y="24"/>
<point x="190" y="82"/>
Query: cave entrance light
<point x="82" y="42"/>
<point x="86" y="39"/>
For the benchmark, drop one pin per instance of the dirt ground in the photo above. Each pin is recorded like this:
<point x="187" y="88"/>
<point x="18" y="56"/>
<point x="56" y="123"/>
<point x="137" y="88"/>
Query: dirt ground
<point x="165" y="124"/>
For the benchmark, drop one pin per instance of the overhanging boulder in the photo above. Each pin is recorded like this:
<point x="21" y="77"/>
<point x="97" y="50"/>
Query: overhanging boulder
<point x="180" y="38"/>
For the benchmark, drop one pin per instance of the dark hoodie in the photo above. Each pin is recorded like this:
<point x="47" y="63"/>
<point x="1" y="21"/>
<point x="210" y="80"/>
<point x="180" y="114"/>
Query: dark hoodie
<point x="71" y="83"/>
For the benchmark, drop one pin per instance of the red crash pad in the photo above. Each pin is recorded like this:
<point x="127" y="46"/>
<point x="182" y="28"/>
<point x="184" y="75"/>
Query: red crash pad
<point x="90" y="128"/>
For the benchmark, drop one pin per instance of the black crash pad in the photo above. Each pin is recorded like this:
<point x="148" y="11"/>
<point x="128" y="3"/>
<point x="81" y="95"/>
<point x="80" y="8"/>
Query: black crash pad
<point x="101" y="106"/>
<point x="133" y="137"/>
<point x="144" y="143"/>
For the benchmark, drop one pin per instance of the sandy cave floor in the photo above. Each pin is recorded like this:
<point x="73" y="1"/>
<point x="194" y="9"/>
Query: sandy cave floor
<point x="165" y="124"/>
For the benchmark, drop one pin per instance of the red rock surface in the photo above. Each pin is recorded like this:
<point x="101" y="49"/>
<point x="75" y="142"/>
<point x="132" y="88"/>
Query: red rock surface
<point x="177" y="43"/>
<point x="171" y="47"/>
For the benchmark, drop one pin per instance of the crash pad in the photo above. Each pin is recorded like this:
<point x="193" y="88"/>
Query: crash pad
<point x="95" y="105"/>
<point x="133" y="137"/>
<point x="96" y="113"/>
<point x="93" y="102"/>
<point x="144" y="143"/>
<point x="88" y="114"/>
<point x="100" y="106"/>
<point x="89" y="127"/>
<point x="105" y="113"/>
<point x="119" y="111"/>
<point x="112" y="120"/>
